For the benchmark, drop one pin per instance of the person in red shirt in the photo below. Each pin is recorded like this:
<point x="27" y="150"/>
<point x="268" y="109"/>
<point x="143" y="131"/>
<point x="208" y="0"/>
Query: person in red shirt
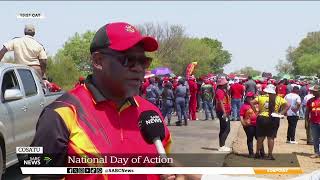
<point x="213" y="83"/>
<point x="223" y="110"/>
<point x="313" y="116"/>
<point x="175" y="83"/>
<point x="53" y="87"/>
<point x="236" y="91"/>
<point x="143" y="88"/>
<point x="282" y="88"/>
<point x="248" y="121"/>
<point x="102" y="116"/>
<point x="264" y="85"/>
<point x="193" y="88"/>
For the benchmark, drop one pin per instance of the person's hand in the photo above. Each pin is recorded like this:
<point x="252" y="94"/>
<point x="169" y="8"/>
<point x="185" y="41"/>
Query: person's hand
<point x="224" y="116"/>
<point x="167" y="176"/>
<point x="172" y="177"/>
<point x="180" y="177"/>
<point x="295" y="110"/>
<point x="46" y="83"/>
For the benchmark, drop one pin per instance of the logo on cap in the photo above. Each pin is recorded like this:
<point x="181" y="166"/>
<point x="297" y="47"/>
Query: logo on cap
<point x="130" y="29"/>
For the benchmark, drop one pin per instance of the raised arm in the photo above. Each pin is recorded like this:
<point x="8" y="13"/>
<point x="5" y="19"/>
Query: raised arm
<point x="3" y="51"/>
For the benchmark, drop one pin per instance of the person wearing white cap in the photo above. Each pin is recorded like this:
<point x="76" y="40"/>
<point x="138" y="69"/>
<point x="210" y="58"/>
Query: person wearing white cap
<point x="27" y="51"/>
<point x="237" y="92"/>
<point x="268" y="120"/>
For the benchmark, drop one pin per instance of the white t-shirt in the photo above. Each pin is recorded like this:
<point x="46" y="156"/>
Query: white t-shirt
<point x="293" y="99"/>
<point x="307" y="98"/>
<point x="26" y="50"/>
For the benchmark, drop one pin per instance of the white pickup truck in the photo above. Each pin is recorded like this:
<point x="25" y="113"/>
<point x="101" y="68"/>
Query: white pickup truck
<point x="22" y="100"/>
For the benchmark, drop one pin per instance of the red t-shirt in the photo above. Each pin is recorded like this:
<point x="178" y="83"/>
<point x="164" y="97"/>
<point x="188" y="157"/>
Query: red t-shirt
<point x="175" y="85"/>
<point x="144" y="87"/>
<point x="263" y="86"/>
<point x="282" y="90"/>
<point x="247" y="113"/>
<point x="314" y="107"/>
<point x="193" y="88"/>
<point x="214" y="85"/>
<point x="225" y="98"/>
<point x="236" y="90"/>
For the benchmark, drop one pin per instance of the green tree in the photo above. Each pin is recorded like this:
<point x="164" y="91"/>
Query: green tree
<point x="63" y="71"/>
<point x="177" y="50"/>
<point x="309" y="47"/>
<point x="192" y="50"/>
<point x="218" y="56"/>
<point x="309" y="64"/>
<point x="77" y="49"/>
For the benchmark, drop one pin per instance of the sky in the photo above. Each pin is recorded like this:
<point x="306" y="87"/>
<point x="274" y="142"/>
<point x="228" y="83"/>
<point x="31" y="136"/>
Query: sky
<point x="256" y="33"/>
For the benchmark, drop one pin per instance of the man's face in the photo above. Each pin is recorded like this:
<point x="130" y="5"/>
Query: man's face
<point x="122" y="72"/>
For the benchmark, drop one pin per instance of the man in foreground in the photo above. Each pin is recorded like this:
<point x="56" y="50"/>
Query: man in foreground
<point x="101" y="117"/>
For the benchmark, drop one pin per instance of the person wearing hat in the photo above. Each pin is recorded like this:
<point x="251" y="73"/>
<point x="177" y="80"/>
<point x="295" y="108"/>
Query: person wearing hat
<point x="223" y="110"/>
<point x="313" y="118"/>
<point x="152" y="92"/>
<point x="181" y="100"/>
<point x="207" y="93"/>
<point x="102" y="116"/>
<point x="193" y="97"/>
<point x="168" y="101"/>
<point x="267" y="122"/>
<point x="143" y="87"/>
<point x="27" y="51"/>
<point x="282" y="88"/>
<point x="248" y="121"/>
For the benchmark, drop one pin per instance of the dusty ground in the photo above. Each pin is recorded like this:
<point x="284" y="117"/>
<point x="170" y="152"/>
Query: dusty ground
<point x="284" y="153"/>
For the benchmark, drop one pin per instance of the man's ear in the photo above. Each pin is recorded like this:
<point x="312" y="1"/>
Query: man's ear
<point x="97" y="59"/>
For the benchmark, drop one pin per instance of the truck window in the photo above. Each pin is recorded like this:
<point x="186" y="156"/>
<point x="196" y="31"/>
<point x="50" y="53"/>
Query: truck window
<point x="28" y="82"/>
<point x="9" y="81"/>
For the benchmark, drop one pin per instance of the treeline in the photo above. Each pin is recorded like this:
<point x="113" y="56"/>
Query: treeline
<point x="176" y="50"/>
<point x="304" y="59"/>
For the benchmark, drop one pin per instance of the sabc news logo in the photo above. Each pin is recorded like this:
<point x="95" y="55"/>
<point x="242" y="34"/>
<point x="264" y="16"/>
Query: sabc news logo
<point x="36" y="161"/>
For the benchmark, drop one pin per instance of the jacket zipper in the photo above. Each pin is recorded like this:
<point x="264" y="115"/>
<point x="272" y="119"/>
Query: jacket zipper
<point x="121" y="130"/>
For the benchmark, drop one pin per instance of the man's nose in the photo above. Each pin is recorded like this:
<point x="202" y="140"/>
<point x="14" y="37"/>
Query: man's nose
<point x="137" y="67"/>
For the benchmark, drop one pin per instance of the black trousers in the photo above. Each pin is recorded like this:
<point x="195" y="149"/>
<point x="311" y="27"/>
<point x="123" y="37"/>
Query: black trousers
<point x="251" y="133"/>
<point x="292" y="124"/>
<point x="224" y="129"/>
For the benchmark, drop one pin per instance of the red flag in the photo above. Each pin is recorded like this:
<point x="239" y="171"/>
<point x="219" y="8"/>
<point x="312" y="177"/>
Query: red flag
<point x="190" y="68"/>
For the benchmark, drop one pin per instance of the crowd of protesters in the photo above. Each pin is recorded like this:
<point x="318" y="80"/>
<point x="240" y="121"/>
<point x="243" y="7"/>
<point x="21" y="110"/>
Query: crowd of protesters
<point x="258" y="104"/>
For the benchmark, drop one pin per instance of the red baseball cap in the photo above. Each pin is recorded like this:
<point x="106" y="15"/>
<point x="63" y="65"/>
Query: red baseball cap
<point x="250" y="94"/>
<point x="121" y="36"/>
